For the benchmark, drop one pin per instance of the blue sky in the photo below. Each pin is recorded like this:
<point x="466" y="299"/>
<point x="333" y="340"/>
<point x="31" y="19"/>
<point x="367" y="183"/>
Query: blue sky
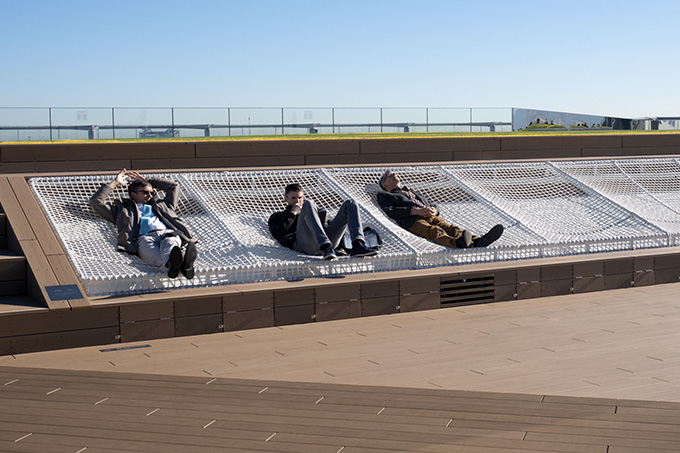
<point x="605" y="58"/>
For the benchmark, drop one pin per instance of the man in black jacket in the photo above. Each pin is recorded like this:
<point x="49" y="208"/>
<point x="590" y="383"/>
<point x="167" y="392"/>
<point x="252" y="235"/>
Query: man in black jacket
<point x="147" y="224"/>
<point x="414" y="213"/>
<point x="300" y="228"/>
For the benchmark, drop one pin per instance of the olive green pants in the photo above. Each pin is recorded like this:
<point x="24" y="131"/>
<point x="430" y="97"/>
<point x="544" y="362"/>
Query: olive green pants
<point x="437" y="230"/>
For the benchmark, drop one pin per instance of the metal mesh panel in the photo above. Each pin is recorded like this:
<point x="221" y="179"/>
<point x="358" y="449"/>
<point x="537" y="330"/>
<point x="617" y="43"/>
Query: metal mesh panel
<point x="456" y="203"/>
<point x="548" y="210"/>
<point x="243" y="201"/>
<point x="560" y="209"/>
<point x="90" y="241"/>
<point x="647" y="187"/>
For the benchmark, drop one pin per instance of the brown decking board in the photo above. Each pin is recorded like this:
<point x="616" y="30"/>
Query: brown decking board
<point x="53" y="157"/>
<point x="11" y="305"/>
<point x="165" y="413"/>
<point x="43" y="253"/>
<point x="614" y="344"/>
<point x="559" y="355"/>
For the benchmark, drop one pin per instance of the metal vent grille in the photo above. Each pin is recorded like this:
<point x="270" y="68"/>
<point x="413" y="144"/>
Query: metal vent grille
<point x="467" y="291"/>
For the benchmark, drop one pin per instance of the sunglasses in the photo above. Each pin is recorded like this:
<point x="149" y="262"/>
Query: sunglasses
<point x="145" y="192"/>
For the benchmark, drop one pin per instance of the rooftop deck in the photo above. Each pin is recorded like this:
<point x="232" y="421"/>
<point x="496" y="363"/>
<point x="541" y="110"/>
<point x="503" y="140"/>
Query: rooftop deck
<point x="561" y="362"/>
<point x="595" y="372"/>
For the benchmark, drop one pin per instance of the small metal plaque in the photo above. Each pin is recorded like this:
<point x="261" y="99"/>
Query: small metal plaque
<point x="63" y="292"/>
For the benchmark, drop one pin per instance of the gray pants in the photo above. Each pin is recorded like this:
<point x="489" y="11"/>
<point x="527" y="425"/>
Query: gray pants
<point x="154" y="247"/>
<point x="310" y="235"/>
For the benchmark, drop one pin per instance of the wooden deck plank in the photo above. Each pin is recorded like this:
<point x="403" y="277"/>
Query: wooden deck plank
<point x="320" y="440"/>
<point x="12" y="266"/>
<point x="136" y="409"/>
<point x="35" y="216"/>
<point x="387" y="405"/>
<point x="642" y="444"/>
<point x="621" y="449"/>
<point x="34" y="254"/>
<point x="48" y="241"/>
<point x="12" y="305"/>
<point x="43" y="272"/>
<point x="43" y="442"/>
<point x="440" y="447"/>
<point x="306" y="419"/>
<point x="114" y="411"/>
<point x="210" y="378"/>
<point x="156" y="424"/>
<point x="10" y="205"/>
<point x="608" y="345"/>
<point x="28" y="445"/>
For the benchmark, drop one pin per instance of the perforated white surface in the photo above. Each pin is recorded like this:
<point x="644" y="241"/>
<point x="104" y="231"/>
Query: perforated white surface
<point x="548" y="209"/>
<point x="649" y="187"/>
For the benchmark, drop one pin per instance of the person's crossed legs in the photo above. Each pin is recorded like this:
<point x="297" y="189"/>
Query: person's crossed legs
<point x="313" y="239"/>
<point x="310" y="237"/>
<point x="437" y="230"/>
<point x="161" y="250"/>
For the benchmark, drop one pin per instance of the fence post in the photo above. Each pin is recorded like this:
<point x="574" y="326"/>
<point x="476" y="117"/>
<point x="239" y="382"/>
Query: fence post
<point x="427" y="119"/>
<point x="381" y="123"/>
<point x="229" y="119"/>
<point x="282" y="122"/>
<point x="113" y="122"/>
<point x="333" y="118"/>
<point x="50" y="123"/>
<point x="470" y="119"/>
<point x="172" y="114"/>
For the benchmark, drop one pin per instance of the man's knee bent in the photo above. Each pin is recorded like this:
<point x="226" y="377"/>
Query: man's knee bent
<point x="308" y="204"/>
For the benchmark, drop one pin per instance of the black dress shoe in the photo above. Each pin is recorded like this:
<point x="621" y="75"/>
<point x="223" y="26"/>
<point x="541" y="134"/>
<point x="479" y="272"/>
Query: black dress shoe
<point x="361" y="250"/>
<point x="174" y="262"/>
<point x="490" y="237"/>
<point x="188" y="263"/>
<point x="464" y="241"/>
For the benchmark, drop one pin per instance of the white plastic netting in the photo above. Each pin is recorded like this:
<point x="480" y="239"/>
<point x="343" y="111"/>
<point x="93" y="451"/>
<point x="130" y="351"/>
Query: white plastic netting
<point x="548" y="209"/>
<point x="648" y="187"/>
<point x="569" y="215"/>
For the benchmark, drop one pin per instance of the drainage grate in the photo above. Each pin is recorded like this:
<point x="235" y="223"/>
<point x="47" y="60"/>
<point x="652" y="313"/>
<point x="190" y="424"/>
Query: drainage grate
<point x="467" y="291"/>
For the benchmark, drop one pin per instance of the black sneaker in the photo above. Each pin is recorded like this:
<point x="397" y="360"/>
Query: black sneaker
<point x="360" y="250"/>
<point x="490" y="237"/>
<point x="174" y="262"/>
<point x="190" y="254"/>
<point x="465" y="240"/>
<point x="329" y="253"/>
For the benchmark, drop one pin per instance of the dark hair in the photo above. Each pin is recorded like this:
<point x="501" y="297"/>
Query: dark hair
<point x="137" y="184"/>
<point x="294" y="187"/>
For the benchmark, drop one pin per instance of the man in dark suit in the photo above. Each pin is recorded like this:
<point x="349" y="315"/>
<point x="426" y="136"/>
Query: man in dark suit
<point x="148" y="225"/>
<point x="414" y="213"/>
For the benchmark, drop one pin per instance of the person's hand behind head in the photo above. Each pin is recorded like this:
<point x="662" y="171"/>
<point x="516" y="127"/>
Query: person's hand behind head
<point x="121" y="179"/>
<point x="134" y="176"/>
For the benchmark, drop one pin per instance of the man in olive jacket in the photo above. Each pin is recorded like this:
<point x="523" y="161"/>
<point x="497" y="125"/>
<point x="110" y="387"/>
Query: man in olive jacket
<point x="147" y="224"/>
<point x="413" y="212"/>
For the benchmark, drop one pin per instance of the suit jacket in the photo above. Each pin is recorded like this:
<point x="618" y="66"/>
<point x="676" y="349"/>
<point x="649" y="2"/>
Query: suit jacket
<point x="398" y="206"/>
<point x="125" y="214"/>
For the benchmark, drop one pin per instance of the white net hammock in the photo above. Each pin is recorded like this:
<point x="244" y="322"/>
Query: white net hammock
<point x="547" y="208"/>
